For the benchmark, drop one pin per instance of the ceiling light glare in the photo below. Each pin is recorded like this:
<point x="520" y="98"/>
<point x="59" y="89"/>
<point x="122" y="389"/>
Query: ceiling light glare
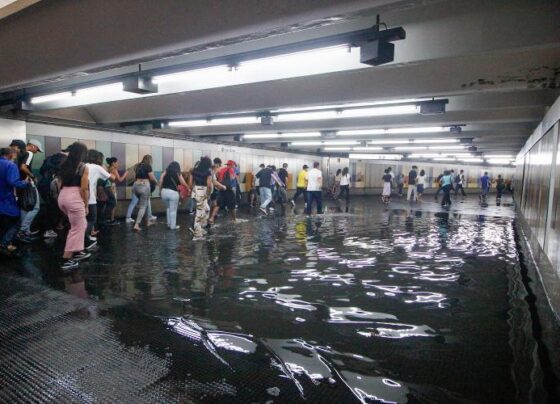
<point x="499" y="161"/>
<point x="188" y="124"/>
<point x="375" y="156"/>
<point x="425" y="129"/>
<point x="353" y="105"/>
<point x="99" y="90"/>
<point x="240" y="120"/>
<point x="262" y="136"/>
<point x="337" y="148"/>
<point x="366" y="149"/>
<point x="402" y="141"/>
<point x="447" y="147"/>
<point x="411" y="148"/>
<point x="51" y="97"/>
<point x="307" y="116"/>
<point x="445" y="159"/>
<point x="428" y="141"/>
<point x="379" y="111"/>
<point x="300" y="135"/>
<point x="340" y="142"/>
<point x="499" y="156"/>
<point x="209" y="74"/>
<point x="472" y="160"/>
<point x="361" y="132"/>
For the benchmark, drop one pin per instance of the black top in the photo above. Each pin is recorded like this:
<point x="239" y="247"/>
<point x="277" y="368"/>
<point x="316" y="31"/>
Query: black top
<point x="142" y="171"/>
<point x="170" y="181"/>
<point x="283" y="174"/>
<point x="412" y="177"/>
<point x="200" y="178"/>
<point x="387" y="178"/>
<point x="265" y="177"/>
<point x="27" y="159"/>
<point x="76" y="179"/>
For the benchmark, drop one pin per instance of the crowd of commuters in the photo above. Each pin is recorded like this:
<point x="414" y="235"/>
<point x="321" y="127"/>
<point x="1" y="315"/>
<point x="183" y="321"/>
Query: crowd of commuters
<point x="78" y="193"/>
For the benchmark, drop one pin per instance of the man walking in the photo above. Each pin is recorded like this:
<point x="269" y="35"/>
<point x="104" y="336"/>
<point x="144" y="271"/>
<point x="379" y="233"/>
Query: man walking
<point x="459" y="181"/>
<point x="301" y="186"/>
<point x="485" y="185"/>
<point x="412" y="175"/>
<point x="314" y="179"/>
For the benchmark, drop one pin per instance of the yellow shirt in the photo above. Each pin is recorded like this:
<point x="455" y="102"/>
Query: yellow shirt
<point x="301" y="179"/>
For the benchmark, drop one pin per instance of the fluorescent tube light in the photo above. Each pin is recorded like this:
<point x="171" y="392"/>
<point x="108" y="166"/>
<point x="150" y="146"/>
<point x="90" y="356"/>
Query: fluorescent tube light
<point x="51" y="97"/>
<point x="358" y="104"/>
<point x="500" y="161"/>
<point x="188" y="124"/>
<point x="472" y="160"/>
<point x="424" y="155"/>
<point x="340" y="142"/>
<point x="262" y="136"/>
<point x="311" y="143"/>
<point x="360" y="148"/>
<point x="462" y="147"/>
<point x="234" y="120"/>
<point x="336" y="148"/>
<point x="361" y="132"/>
<point x="99" y="90"/>
<point x="445" y="159"/>
<point x="404" y="141"/>
<point x="411" y="148"/>
<point x="436" y="141"/>
<point x="300" y="134"/>
<point x="375" y="156"/>
<point x="281" y="135"/>
<point x="380" y="111"/>
<point x="307" y="116"/>
<point x="212" y="74"/>
<point x="425" y="129"/>
<point x="499" y="156"/>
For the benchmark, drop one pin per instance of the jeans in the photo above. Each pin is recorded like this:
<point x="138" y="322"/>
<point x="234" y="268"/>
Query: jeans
<point x="142" y="191"/>
<point x="446" y="195"/>
<point x="266" y="196"/>
<point x="411" y="190"/>
<point x="8" y="229"/>
<point x="27" y="217"/>
<point x="171" y="200"/>
<point x="316" y="196"/>
<point x="344" y="189"/>
<point x="300" y="191"/>
<point x="460" y="187"/>
<point x="91" y="219"/>
<point x="131" y="205"/>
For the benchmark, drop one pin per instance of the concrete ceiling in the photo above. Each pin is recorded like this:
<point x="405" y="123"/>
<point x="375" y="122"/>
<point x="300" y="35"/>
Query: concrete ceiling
<point x="497" y="62"/>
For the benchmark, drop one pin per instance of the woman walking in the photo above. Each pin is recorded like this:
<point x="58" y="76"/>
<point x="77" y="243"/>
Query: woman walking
<point x="387" y="179"/>
<point x="344" y="184"/>
<point x="169" y="184"/>
<point x="111" y="188"/>
<point x="200" y="182"/>
<point x="142" y="189"/>
<point x="421" y="185"/>
<point x="73" y="202"/>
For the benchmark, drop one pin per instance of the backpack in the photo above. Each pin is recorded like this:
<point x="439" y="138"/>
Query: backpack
<point x="458" y="179"/>
<point x="49" y="169"/>
<point x="224" y="177"/>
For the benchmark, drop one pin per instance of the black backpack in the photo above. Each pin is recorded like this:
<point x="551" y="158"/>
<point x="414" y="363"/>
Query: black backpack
<point x="49" y="169"/>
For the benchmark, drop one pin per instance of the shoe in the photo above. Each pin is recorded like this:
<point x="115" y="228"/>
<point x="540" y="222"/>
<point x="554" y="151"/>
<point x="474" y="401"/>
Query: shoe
<point x="50" y="234"/>
<point x="33" y="233"/>
<point x="263" y="210"/>
<point x="293" y="203"/>
<point x="82" y="255"/>
<point x="176" y="228"/>
<point x="91" y="245"/>
<point x="24" y="239"/>
<point x="92" y="238"/>
<point x="130" y="220"/>
<point x="69" y="264"/>
<point x="271" y="209"/>
<point x="153" y="218"/>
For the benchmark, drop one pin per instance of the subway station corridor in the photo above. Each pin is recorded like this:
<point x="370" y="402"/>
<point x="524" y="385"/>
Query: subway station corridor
<point x="405" y="303"/>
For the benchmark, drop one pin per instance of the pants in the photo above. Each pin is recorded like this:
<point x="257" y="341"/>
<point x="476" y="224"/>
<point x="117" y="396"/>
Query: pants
<point x="344" y="189"/>
<point x="8" y="229"/>
<point x="266" y="196"/>
<point x="400" y="188"/>
<point x="411" y="190"/>
<point x="91" y="219"/>
<point x="131" y="205"/>
<point x="446" y="195"/>
<point x="142" y="191"/>
<point x="460" y="187"/>
<point x="110" y="204"/>
<point x="27" y="217"/>
<point x="71" y="204"/>
<point x="202" y="210"/>
<point x="438" y="191"/>
<point x="171" y="200"/>
<point x="300" y="191"/>
<point x="316" y="196"/>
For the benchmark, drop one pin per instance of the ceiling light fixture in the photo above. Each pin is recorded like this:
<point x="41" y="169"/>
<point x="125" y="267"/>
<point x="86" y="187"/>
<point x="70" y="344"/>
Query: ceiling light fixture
<point x="281" y="135"/>
<point x="375" y="156"/>
<point x="51" y="97"/>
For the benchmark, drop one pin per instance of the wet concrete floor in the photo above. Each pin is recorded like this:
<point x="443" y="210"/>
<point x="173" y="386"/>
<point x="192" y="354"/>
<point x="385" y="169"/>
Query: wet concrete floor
<point x="405" y="303"/>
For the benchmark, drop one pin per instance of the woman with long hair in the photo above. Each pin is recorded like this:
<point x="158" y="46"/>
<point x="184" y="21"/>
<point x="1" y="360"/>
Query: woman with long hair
<point x="111" y="188"/>
<point x="73" y="202"/>
<point x="344" y="184"/>
<point x="169" y="186"/>
<point x="421" y="185"/>
<point x="200" y="182"/>
<point x="142" y="189"/>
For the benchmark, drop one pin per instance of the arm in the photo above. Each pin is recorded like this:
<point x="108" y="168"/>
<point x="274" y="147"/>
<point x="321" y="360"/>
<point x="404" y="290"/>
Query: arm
<point x="209" y="185"/>
<point x="13" y="177"/>
<point x="117" y="177"/>
<point x="190" y="182"/>
<point x="84" y="188"/>
<point x="160" y="185"/>
<point x="218" y="185"/>
<point x="320" y="181"/>
<point x="183" y="182"/>
<point x="152" y="177"/>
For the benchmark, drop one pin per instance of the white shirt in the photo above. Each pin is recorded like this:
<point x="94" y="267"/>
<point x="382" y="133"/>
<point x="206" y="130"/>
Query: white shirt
<point x="345" y="180"/>
<point x="314" y="179"/>
<point x="95" y="173"/>
<point x="421" y="180"/>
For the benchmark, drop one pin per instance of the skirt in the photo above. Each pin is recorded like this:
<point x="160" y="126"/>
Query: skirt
<point x="387" y="189"/>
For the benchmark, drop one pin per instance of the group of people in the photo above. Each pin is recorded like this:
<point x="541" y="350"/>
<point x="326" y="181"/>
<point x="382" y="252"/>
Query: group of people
<point x="77" y="191"/>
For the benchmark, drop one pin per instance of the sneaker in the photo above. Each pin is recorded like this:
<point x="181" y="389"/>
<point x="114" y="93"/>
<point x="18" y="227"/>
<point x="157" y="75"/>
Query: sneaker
<point x="154" y="218"/>
<point x="91" y="245"/>
<point x="82" y="255"/>
<point x="50" y="234"/>
<point x="130" y="220"/>
<point x="69" y="264"/>
<point x="33" y="233"/>
<point x="271" y="209"/>
<point x="293" y="203"/>
<point x="92" y="238"/>
<point x="24" y="239"/>
<point x="263" y="210"/>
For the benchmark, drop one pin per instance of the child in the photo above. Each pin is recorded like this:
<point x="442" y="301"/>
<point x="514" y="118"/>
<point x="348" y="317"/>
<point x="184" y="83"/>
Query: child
<point x="386" y="196"/>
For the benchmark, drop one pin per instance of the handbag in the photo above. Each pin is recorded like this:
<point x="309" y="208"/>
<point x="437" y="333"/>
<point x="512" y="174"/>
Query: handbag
<point x="184" y="192"/>
<point x="27" y="198"/>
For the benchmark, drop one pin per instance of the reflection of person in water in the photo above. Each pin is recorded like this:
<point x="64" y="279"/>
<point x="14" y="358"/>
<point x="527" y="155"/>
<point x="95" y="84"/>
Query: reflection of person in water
<point x="443" y="227"/>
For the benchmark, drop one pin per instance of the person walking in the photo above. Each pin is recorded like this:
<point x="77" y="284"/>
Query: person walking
<point x="225" y="178"/>
<point x="142" y="189"/>
<point x="169" y="183"/>
<point x="421" y="185"/>
<point x="336" y="184"/>
<point x="500" y="188"/>
<point x="73" y="201"/>
<point x="111" y="189"/>
<point x="201" y="183"/>
<point x="412" y="175"/>
<point x="446" y="186"/>
<point x="460" y="183"/>
<point x="485" y="186"/>
<point x="265" y="189"/>
<point x="387" y="181"/>
<point x="255" y="195"/>
<point x="9" y="210"/>
<point x="96" y="172"/>
<point x="344" y="184"/>
<point x="400" y="183"/>
<point x="314" y="180"/>
<point x="301" y="186"/>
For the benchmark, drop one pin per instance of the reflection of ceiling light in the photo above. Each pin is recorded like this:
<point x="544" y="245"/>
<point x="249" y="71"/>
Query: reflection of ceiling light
<point x="51" y="97"/>
<point x="281" y="135"/>
<point x="375" y="156"/>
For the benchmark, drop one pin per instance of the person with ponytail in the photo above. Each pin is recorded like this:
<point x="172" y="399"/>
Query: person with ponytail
<point x="111" y="189"/>
<point x="73" y="202"/>
<point x="201" y="183"/>
<point x="169" y="186"/>
<point x="142" y="189"/>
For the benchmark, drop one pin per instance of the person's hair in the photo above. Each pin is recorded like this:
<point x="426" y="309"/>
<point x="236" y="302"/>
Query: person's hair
<point x="76" y="155"/>
<point x="414" y="167"/>
<point x="6" y="151"/>
<point x="446" y="172"/>
<point x="273" y="168"/>
<point x="94" y="157"/>
<point x="218" y="161"/>
<point x="386" y="171"/>
<point x="262" y="165"/>
<point x="284" y="165"/>
<point x="499" y="176"/>
<point x="422" y="172"/>
<point x="305" y="166"/>
<point x="147" y="159"/>
<point x="20" y="144"/>
<point x="338" y="171"/>
<point x="345" y="171"/>
<point x="316" y="164"/>
<point x="203" y="165"/>
<point x="485" y="172"/>
<point x="111" y="160"/>
<point x="173" y="169"/>
<point x="389" y="169"/>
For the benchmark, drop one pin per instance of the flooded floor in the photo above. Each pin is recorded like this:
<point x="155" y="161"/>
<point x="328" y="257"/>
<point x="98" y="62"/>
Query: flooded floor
<point x="405" y="303"/>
